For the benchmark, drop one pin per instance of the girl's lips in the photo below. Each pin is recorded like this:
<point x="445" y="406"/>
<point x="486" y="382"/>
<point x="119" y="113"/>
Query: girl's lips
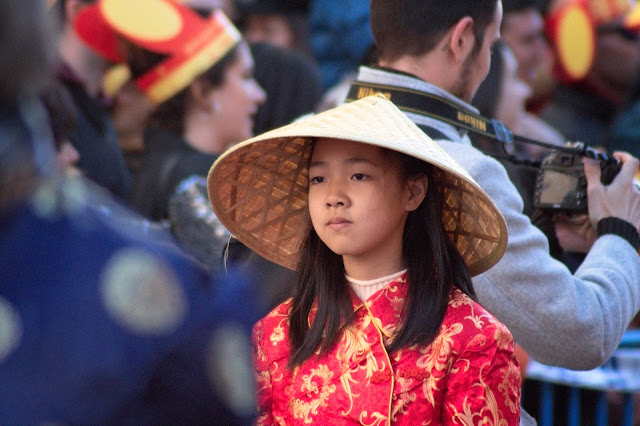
<point x="338" y="223"/>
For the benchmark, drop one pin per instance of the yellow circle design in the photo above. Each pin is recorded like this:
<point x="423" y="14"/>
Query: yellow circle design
<point x="10" y="329"/>
<point x="576" y="43"/>
<point x="633" y="19"/>
<point x="149" y="20"/>
<point x="142" y="293"/>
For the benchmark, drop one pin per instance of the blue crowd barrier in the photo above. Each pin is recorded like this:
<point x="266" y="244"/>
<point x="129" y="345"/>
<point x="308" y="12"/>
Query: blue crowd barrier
<point x="620" y="374"/>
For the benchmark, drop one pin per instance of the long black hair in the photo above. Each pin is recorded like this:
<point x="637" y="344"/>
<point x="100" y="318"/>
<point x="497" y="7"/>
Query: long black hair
<point x="434" y="266"/>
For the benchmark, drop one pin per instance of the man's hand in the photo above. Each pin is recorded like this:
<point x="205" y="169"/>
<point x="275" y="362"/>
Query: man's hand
<point x="620" y="199"/>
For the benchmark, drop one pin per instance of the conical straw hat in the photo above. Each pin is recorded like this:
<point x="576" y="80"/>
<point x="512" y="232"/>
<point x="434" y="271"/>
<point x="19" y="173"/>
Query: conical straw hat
<point x="258" y="189"/>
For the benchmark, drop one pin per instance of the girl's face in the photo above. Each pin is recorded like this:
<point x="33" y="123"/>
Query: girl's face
<point x="359" y="205"/>
<point x="238" y="99"/>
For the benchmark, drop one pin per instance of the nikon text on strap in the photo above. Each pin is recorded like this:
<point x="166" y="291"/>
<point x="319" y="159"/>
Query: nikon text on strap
<point x="438" y="108"/>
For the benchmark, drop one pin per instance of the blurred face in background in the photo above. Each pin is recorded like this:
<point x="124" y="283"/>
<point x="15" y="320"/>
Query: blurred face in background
<point x="130" y="113"/>
<point x="206" y="7"/>
<point x="513" y="92"/>
<point x="617" y="60"/>
<point x="237" y="100"/>
<point x="522" y="31"/>
<point x="273" y="28"/>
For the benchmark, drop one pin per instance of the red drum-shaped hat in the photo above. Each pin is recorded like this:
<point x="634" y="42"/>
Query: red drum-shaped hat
<point x="572" y="32"/>
<point x="192" y="43"/>
<point x="160" y="26"/>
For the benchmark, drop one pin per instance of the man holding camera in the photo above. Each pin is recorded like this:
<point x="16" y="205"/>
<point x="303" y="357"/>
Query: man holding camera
<point x="433" y="51"/>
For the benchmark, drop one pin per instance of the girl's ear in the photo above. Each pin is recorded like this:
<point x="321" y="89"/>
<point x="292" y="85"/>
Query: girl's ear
<point x="462" y="39"/>
<point x="417" y="191"/>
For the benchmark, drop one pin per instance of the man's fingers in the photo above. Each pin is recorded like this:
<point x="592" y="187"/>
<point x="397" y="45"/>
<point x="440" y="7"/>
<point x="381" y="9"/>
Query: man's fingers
<point x="592" y="171"/>
<point x="629" y="165"/>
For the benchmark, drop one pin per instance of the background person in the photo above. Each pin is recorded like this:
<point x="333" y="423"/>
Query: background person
<point x="587" y="100"/>
<point x="278" y="22"/>
<point x="100" y="324"/>
<point x="523" y="31"/>
<point x="94" y="137"/>
<point x="197" y="116"/>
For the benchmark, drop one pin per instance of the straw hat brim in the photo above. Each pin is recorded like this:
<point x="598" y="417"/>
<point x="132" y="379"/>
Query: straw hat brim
<point x="258" y="189"/>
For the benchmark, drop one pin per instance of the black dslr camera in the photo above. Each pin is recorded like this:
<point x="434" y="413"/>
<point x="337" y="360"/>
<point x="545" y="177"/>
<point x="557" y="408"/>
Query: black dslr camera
<point x="561" y="184"/>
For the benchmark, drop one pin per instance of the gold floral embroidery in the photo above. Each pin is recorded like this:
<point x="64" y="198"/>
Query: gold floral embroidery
<point x="402" y="400"/>
<point x="437" y="358"/>
<point x="263" y="380"/>
<point x="458" y="298"/>
<point x="260" y="353"/>
<point x="417" y="373"/>
<point x="510" y="386"/>
<point x="353" y="346"/>
<point x="378" y="418"/>
<point x="503" y="337"/>
<point x="489" y="414"/>
<point x="302" y="409"/>
<point x="277" y="335"/>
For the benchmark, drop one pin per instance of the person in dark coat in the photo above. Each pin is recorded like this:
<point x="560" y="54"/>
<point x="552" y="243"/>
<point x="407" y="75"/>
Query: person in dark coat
<point x="94" y="136"/>
<point x="101" y="322"/>
<point x="200" y="82"/>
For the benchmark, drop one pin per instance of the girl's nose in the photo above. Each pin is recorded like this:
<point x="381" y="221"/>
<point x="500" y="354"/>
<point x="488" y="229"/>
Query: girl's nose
<point x="336" y="196"/>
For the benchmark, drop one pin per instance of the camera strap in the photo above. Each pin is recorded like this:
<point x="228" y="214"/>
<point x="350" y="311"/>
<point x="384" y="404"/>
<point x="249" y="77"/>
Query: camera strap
<point x="433" y="106"/>
<point x="438" y="108"/>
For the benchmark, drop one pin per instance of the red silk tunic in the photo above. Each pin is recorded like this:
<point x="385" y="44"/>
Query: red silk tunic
<point x="467" y="376"/>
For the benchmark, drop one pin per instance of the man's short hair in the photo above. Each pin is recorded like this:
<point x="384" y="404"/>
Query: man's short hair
<point x="518" y="5"/>
<point x="414" y="27"/>
<point x="509" y="6"/>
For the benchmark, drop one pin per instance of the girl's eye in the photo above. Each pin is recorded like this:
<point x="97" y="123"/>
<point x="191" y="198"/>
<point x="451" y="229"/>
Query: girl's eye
<point x="359" y="176"/>
<point x="316" y="179"/>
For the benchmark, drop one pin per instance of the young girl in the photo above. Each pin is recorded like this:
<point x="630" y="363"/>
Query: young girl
<point x="385" y="231"/>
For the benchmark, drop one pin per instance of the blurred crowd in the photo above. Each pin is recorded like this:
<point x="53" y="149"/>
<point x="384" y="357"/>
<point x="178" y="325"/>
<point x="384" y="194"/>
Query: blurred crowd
<point x="122" y="297"/>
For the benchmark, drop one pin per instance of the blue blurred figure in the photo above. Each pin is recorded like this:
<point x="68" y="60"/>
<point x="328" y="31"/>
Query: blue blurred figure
<point x="101" y="319"/>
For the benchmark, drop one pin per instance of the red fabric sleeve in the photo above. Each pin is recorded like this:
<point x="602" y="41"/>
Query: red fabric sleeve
<point x="483" y="384"/>
<point x="264" y="393"/>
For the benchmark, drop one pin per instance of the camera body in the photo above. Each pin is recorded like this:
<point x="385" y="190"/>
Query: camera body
<point x="561" y="184"/>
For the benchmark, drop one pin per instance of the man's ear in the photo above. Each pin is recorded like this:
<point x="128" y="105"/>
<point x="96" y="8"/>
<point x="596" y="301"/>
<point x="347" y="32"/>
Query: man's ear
<point x="462" y="39"/>
<point x="418" y="187"/>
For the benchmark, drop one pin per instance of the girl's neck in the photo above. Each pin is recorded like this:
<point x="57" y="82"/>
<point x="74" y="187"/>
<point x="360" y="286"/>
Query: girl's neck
<point x="369" y="270"/>
<point x="365" y="289"/>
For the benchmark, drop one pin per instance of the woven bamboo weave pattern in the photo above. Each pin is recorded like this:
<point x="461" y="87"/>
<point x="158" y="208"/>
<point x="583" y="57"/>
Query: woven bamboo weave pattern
<point x="258" y="188"/>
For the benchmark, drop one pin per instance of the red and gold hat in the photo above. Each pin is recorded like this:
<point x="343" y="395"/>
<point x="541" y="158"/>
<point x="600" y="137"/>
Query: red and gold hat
<point x="572" y="25"/>
<point x="193" y="44"/>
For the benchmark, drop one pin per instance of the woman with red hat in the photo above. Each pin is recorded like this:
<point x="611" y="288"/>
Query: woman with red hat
<point x="197" y="72"/>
